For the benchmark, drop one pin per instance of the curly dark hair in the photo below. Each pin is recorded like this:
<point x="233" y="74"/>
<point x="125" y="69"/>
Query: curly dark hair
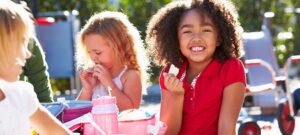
<point x="162" y="30"/>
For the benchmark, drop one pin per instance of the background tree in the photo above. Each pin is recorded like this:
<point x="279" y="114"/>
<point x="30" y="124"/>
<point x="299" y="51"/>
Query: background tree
<point x="139" y="11"/>
<point x="285" y="23"/>
<point x="296" y="32"/>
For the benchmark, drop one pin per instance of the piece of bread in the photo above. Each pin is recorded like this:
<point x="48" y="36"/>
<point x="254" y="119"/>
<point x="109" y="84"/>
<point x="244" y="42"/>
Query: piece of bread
<point x="173" y="70"/>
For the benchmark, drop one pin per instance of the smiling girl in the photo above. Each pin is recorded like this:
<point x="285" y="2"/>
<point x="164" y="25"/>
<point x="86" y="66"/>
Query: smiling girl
<point x="200" y="37"/>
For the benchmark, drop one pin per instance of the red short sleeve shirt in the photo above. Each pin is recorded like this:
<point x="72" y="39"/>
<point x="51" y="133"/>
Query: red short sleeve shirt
<point x="202" y="105"/>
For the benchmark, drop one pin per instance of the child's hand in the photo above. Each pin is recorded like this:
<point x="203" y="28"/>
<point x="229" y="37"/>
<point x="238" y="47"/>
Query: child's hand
<point x="88" y="80"/>
<point x="103" y="75"/>
<point x="173" y="84"/>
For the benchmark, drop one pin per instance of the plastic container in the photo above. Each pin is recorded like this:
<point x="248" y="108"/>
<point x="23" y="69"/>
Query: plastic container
<point x="105" y="115"/>
<point x="135" y="122"/>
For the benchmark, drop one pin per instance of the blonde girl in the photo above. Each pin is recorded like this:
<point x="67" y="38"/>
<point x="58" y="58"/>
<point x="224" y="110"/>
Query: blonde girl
<point x="108" y="56"/>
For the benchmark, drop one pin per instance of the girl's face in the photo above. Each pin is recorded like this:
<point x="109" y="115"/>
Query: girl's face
<point x="197" y="37"/>
<point x="15" y="69"/>
<point x="99" y="50"/>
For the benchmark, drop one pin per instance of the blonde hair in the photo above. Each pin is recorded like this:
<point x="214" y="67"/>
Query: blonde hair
<point x="116" y="28"/>
<point x="16" y="26"/>
<point x="122" y="36"/>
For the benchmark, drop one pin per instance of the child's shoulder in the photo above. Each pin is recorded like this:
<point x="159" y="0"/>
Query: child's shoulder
<point x="23" y="83"/>
<point x="131" y="74"/>
<point x="233" y="62"/>
<point x="19" y="86"/>
<point x="232" y="65"/>
<point x="19" y="89"/>
<point x="233" y="71"/>
<point x="21" y="94"/>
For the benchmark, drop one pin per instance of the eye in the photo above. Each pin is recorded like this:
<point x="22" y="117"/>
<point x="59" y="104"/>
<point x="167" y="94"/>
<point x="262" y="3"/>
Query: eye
<point x="97" y="53"/>
<point x="187" y="31"/>
<point x="207" y="30"/>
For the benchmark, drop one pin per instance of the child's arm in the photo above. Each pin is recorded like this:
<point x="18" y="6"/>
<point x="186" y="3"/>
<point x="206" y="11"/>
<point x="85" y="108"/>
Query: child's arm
<point x="132" y="91"/>
<point x="45" y="124"/>
<point x="172" y="104"/>
<point x="233" y="98"/>
<point x="85" y="94"/>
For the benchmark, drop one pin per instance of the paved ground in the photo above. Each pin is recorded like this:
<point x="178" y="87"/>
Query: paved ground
<point x="151" y="103"/>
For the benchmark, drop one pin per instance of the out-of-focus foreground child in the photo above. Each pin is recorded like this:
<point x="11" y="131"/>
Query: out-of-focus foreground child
<point x="107" y="52"/>
<point x="201" y="38"/>
<point x="19" y="107"/>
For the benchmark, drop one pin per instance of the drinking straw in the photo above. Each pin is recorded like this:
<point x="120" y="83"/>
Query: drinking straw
<point x="109" y="90"/>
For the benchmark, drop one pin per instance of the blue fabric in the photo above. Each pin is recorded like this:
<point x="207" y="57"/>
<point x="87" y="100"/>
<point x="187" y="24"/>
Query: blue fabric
<point x="74" y="104"/>
<point x="54" y="108"/>
<point x="296" y="95"/>
<point x="57" y="42"/>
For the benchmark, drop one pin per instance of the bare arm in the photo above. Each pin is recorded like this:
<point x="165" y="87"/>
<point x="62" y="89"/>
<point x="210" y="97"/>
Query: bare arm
<point x="172" y="104"/>
<point x="85" y="94"/>
<point x="46" y="124"/>
<point x="88" y="83"/>
<point x="131" y="95"/>
<point x="233" y="98"/>
<point x="171" y="111"/>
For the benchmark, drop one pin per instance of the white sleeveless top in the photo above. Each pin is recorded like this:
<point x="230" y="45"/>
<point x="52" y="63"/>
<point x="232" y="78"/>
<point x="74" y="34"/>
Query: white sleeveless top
<point x="19" y="104"/>
<point x="100" y="90"/>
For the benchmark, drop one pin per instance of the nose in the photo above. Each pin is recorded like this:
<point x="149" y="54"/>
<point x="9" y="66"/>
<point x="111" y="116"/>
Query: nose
<point x="197" y="37"/>
<point x="198" y="33"/>
<point x="94" y="58"/>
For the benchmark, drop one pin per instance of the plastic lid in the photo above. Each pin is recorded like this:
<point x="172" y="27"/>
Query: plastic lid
<point x="104" y="100"/>
<point x="134" y="115"/>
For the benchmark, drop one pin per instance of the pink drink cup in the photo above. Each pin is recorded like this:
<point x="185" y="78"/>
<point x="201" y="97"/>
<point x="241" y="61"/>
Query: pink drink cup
<point x="88" y="129"/>
<point x="105" y="115"/>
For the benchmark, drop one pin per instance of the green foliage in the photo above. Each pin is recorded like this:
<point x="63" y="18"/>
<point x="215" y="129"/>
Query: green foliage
<point x="60" y="84"/>
<point x="296" y="31"/>
<point x="140" y="11"/>
<point x="251" y="14"/>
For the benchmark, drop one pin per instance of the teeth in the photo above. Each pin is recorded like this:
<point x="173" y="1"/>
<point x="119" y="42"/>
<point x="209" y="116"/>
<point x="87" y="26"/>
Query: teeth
<point x="197" y="48"/>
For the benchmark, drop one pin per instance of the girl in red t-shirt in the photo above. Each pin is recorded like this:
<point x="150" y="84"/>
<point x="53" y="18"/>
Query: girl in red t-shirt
<point x="201" y="38"/>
